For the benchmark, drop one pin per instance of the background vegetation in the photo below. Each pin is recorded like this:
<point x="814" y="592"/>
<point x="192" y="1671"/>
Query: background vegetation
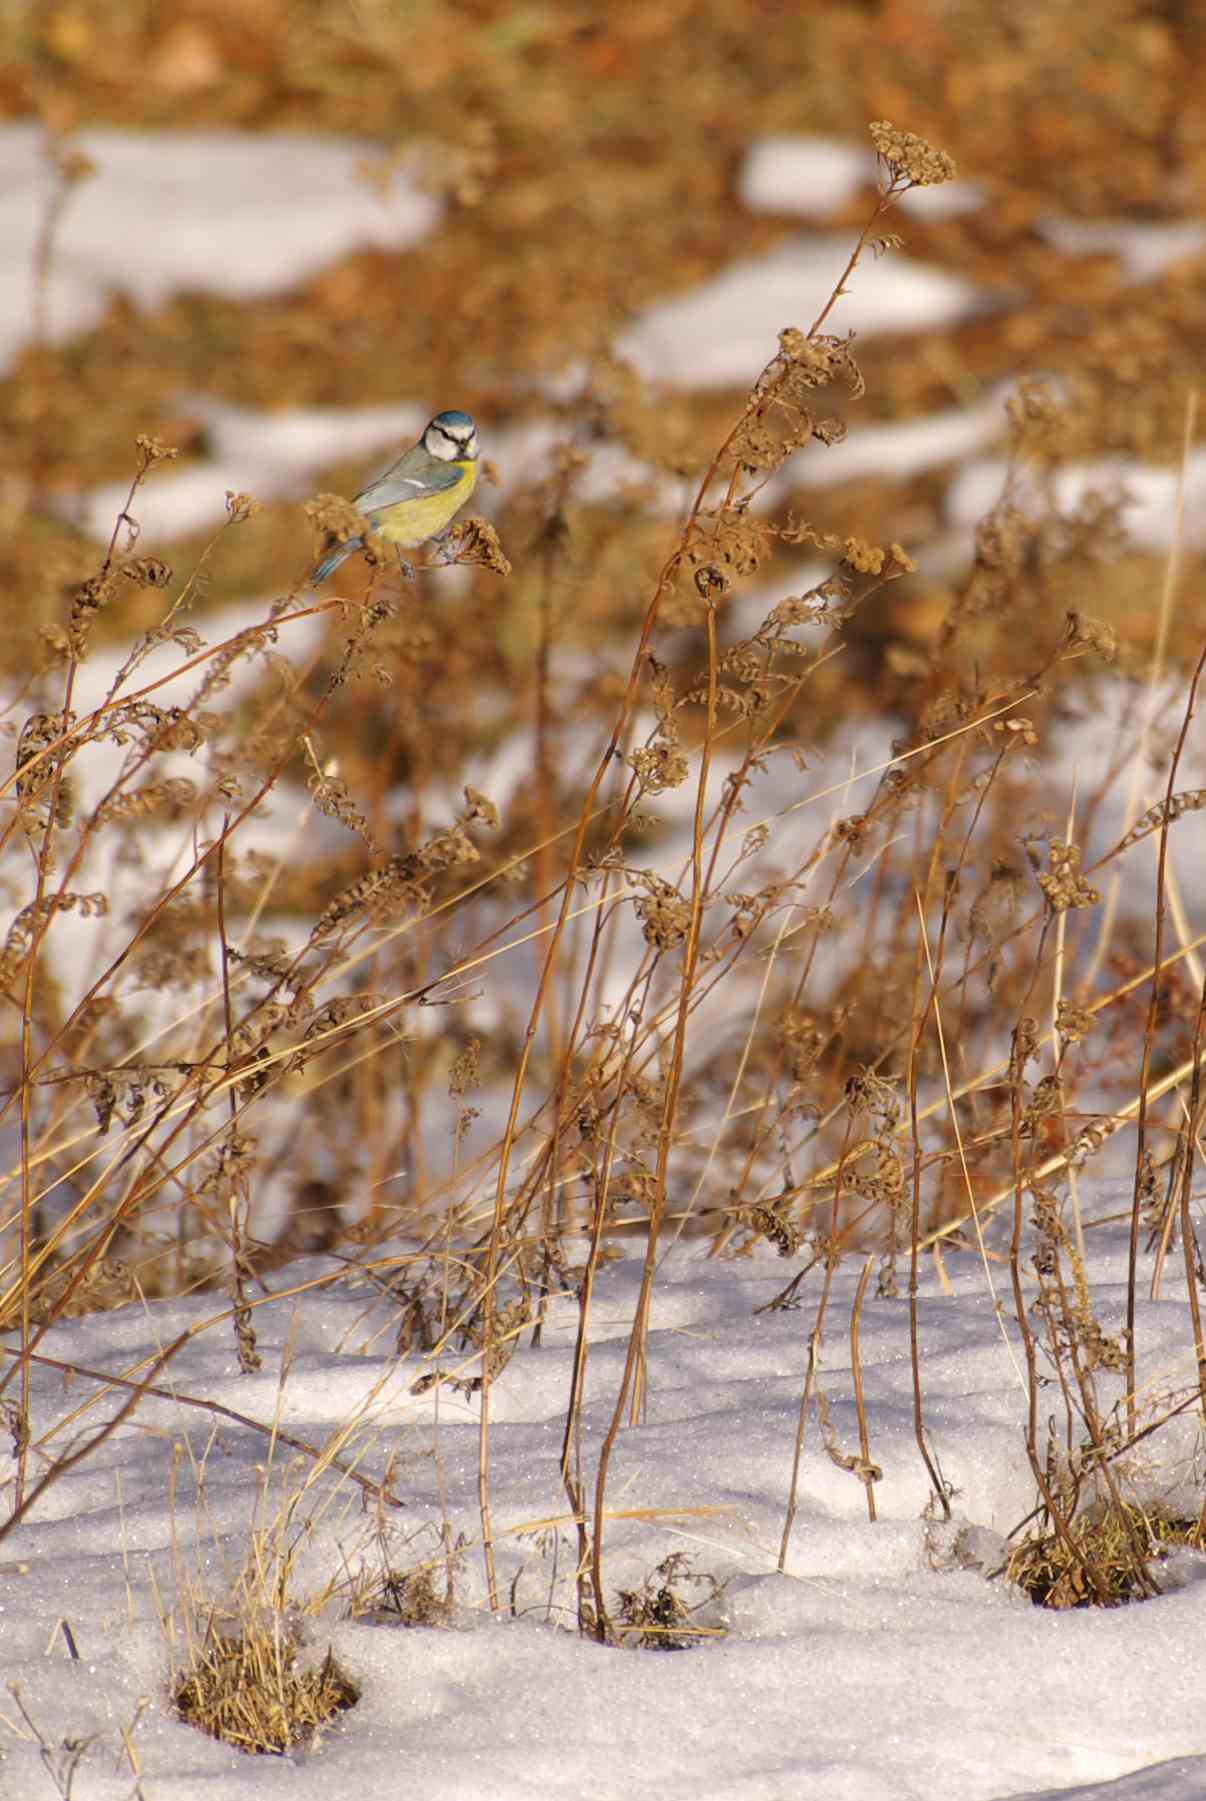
<point x="798" y="1011"/>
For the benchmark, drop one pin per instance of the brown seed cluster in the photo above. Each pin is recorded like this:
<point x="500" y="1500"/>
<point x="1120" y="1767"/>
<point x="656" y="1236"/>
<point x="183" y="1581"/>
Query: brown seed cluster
<point x="909" y="158"/>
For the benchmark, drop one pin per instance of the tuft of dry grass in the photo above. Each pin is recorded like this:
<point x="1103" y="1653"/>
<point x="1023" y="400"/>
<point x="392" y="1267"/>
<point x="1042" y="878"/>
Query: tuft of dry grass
<point x="244" y="1661"/>
<point x="1109" y="1555"/>
<point x="252" y="1690"/>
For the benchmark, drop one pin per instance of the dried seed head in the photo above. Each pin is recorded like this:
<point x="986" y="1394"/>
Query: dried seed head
<point x="867" y="1092"/>
<point x="1025" y="1045"/>
<point x="332" y="796"/>
<point x="240" y="507"/>
<point x="1018" y="727"/>
<point x="87" y="602"/>
<point x="1084" y="633"/>
<point x="802" y="1042"/>
<point x="868" y="559"/>
<point x="664" y="915"/>
<point x="336" y="518"/>
<point x="1064" y="887"/>
<point x="659" y="766"/>
<point x="728" y="538"/>
<point x="146" y="572"/>
<point x="909" y="158"/>
<point x="451" y="849"/>
<point x="479" y="806"/>
<point x="474" y="541"/>
<point x="466" y="1072"/>
<point x="153" y="450"/>
<point x="805" y="364"/>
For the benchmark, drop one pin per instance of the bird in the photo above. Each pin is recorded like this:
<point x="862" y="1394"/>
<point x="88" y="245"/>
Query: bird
<point x="417" y="496"/>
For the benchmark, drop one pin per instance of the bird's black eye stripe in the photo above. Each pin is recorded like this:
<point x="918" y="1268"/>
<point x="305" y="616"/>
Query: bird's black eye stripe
<point x="458" y="438"/>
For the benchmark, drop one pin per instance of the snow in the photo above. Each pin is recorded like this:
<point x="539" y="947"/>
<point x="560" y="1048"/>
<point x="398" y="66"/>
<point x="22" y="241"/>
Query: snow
<point x="240" y="214"/>
<point x="899" y="450"/>
<point x="883" y="1662"/>
<point x="810" y="177"/>
<point x="1180" y="1779"/>
<point x="1148" y="496"/>
<point x="723" y="333"/>
<point x="1145" y="250"/>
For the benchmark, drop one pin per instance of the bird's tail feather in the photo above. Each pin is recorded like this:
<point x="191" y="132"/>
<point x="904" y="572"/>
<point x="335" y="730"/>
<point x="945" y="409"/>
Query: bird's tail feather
<point x="330" y="563"/>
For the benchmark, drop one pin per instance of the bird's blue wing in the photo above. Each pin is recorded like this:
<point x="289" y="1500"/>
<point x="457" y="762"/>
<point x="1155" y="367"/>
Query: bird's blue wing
<point x="408" y="479"/>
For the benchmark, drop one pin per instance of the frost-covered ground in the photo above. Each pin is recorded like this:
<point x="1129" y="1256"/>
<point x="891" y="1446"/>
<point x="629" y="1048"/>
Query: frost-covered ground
<point x="883" y="1665"/>
<point x="883" y="1662"/>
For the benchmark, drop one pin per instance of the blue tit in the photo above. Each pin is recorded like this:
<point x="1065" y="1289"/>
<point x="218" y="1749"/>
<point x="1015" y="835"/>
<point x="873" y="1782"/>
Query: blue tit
<point x="416" y="496"/>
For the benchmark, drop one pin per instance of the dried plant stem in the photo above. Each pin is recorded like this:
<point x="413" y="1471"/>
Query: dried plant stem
<point x="920" y="1015"/>
<point x="1189" y="1244"/>
<point x="1059" y="1160"/>
<point x="552" y="543"/>
<point x="379" y="1492"/>
<point x="536" y="1014"/>
<point x="1057" y="995"/>
<point x="571" y="1449"/>
<point x="633" y="1377"/>
<point x="866" y="1468"/>
<point x="69" y="169"/>
<point x="1149" y="1035"/>
<point x="759" y="400"/>
<point x="815" y="1339"/>
<point x="22" y="1506"/>
<point x="42" y="867"/>
<point x="1168" y="594"/>
<point x="895" y="187"/>
<point x="969" y="1187"/>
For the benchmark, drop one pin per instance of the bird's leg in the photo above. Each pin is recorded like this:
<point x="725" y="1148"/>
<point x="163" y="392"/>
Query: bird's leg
<point x="440" y="541"/>
<point x="408" y="569"/>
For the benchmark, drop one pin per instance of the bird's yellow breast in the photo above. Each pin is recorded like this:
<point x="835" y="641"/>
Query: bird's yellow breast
<point x="411" y="522"/>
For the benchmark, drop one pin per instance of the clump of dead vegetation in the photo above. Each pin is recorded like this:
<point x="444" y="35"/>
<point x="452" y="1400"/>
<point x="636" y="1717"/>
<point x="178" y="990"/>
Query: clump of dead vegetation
<point x="252" y="1691"/>
<point x="659" y="1616"/>
<point x="1102" y="1558"/>
<point x="382" y="1592"/>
